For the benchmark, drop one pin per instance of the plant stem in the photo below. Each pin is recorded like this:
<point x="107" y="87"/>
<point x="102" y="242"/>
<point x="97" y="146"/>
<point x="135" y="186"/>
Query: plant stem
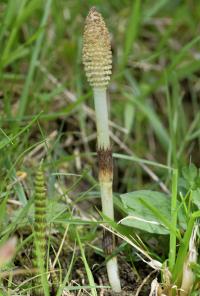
<point x="100" y="102"/>
<point x="105" y="162"/>
<point x="97" y="60"/>
<point x="182" y="252"/>
<point x="172" y="250"/>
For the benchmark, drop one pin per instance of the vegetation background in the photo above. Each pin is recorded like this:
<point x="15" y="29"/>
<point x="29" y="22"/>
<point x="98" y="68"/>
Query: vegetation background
<point x="46" y="112"/>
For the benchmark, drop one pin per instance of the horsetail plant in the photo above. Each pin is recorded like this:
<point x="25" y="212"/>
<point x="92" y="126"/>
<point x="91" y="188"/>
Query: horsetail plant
<point x="97" y="60"/>
<point x="40" y="226"/>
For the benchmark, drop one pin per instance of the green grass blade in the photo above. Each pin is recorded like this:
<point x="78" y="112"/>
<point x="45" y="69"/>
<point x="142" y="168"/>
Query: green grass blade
<point x="153" y="118"/>
<point x="66" y="279"/>
<point x="132" y="30"/>
<point x="172" y="247"/>
<point x="34" y="58"/>
<point x="87" y="268"/>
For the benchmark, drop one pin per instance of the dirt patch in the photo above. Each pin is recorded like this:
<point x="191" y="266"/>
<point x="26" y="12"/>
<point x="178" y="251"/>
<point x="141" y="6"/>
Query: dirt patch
<point x="131" y="279"/>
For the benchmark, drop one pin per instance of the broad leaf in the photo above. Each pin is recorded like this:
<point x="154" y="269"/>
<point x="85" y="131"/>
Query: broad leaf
<point x="141" y="216"/>
<point x="190" y="173"/>
<point x="196" y="197"/>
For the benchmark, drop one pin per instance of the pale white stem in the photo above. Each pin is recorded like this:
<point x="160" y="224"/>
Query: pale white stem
<point x="107" y="199"/>
<point x="103" y="139"/>
<point x="101" y="110"/>
<point x="113" y="274"/>
<point x="188" y="274"/>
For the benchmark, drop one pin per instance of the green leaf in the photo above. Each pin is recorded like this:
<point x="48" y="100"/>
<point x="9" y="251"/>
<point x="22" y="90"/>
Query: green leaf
<point x="190" y="173"/>
<point x="142" y="217"/>
<point x="196" y="197"/>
